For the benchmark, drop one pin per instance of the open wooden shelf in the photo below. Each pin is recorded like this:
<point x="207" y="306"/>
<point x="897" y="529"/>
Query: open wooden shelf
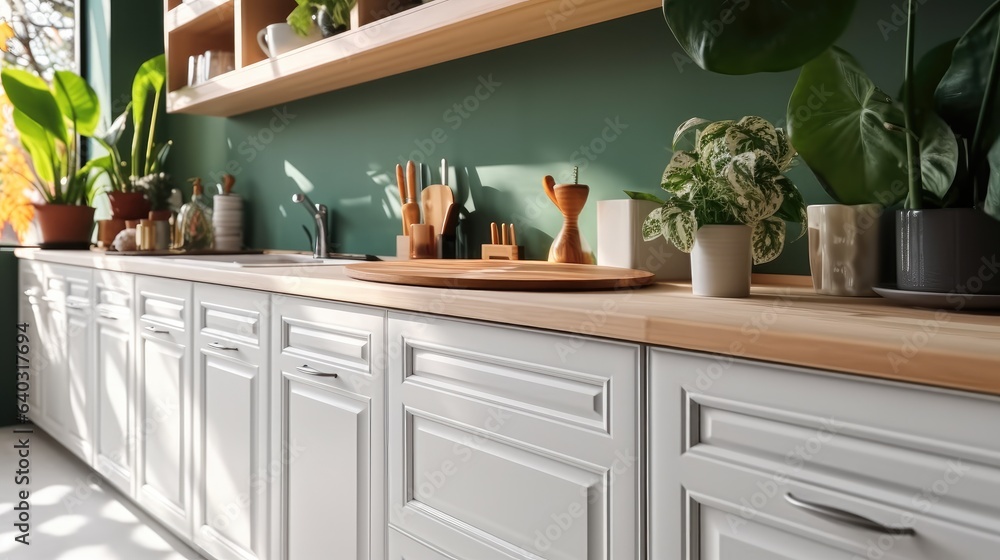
<point x="429" y="34"/>
<point x="199" y="16"/>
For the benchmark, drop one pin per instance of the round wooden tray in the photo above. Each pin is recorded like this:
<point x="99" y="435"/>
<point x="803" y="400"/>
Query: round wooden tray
<point x="499" y="275"/>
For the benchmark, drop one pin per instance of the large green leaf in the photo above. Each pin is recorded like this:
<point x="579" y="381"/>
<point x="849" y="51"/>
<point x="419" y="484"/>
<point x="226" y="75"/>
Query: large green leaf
<point x="749" y="36"/>
<point x="38" y="143"/>
<point x="152" y="75"/>
<point x="938" y="156"/>
<point x="960" y="93"/>
<point x="31" y="95"/>
<point x="77" y="101"/>
<point x="992" y="206"/>
<point x="836" y="119"/>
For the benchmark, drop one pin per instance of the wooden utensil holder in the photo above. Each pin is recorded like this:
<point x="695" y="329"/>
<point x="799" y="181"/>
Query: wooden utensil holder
<point x="502" y="252"/>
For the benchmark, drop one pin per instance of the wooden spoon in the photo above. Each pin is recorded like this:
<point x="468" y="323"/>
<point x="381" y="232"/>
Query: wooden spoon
<point x="401" y="183"/>
<point x="411" y="210"/>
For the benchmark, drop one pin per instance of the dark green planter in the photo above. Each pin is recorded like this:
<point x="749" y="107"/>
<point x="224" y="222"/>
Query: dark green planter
<point x="947" y="250"/>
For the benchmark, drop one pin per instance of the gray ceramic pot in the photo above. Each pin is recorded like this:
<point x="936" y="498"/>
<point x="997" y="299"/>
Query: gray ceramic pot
<point x="947" y="250"/>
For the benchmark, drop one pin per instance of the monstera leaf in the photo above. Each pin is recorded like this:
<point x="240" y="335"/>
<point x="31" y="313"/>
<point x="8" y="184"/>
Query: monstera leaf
<point x="962" y="91"/>
<point x="749" y="36"/>
<point x="836" y="122"/>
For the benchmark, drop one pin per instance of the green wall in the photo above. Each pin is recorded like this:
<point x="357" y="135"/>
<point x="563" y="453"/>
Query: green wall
<point x="550" y="98"/>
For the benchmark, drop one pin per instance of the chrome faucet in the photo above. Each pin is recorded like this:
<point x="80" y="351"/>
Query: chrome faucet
<point x="319" y="214"/>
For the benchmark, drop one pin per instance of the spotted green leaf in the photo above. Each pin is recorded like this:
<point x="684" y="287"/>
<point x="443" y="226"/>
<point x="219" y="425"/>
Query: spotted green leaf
<point x="768" y="240"/>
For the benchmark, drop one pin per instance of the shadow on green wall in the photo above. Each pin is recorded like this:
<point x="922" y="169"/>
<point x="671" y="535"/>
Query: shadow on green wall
<point x="606" y="98"/>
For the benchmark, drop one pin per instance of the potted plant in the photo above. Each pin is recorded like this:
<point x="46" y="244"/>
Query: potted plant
<point x="331" y="16"/>
<point x="129" y="178"/>
<point x="729" y="203"/>
<point x="946" y="134"/>
<point x="863" y="146"/>
<point x="50" y="120"/>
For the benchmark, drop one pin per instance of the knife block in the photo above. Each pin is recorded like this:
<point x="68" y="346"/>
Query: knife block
<point x="502" y="252"/>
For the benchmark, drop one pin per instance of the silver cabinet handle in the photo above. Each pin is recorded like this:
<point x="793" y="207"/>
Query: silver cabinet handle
<point x="846" y="517"/>
<point x="155" y="330"/>
<point x="104" y="313"/>
<point x="221" y="346"/>
<point x="310" y="371"/>
<point x="75" y="305"/>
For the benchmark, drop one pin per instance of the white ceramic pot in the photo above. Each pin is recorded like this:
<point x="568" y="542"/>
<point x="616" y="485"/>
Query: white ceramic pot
<point x="721" y="261"/>
<point x="620" y="242"/>
<point x="844" y="248"/>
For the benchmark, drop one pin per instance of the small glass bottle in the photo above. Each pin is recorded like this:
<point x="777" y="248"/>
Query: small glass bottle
<point x="194" y="222"/>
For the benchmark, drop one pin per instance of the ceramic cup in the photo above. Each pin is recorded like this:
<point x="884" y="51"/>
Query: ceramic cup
<point x="278" y="38"/>
<point x="844" y="248"/>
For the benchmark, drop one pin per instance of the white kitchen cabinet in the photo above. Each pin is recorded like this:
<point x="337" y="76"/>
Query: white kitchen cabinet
<point x="66" y="361"/>
<point x="30" y="311"/>
<point x="329" y="409"/>
<point x="163" y="401"/>
<point x="760" y="462"/>
<point x="114" y="346"/>
<point x="231" y="422"/>
<point x="507" y="443"/>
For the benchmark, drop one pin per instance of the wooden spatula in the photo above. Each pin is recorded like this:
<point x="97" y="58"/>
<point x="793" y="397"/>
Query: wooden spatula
<point x="435" y="201"/>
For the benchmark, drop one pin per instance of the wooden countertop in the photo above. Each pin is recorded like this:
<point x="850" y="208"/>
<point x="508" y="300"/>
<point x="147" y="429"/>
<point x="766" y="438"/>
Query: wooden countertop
<point x="780" y="322"/>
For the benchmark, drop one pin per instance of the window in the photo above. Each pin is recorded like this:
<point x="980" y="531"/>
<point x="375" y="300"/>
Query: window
<point x="38" y="35"/>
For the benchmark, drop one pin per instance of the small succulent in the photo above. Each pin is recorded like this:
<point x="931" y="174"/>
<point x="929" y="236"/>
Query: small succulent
<point x="731" y="172"/>
<point x="157" y="187"/>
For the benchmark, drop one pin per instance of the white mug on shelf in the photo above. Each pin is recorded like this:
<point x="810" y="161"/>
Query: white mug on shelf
<point x="278" y="38"/>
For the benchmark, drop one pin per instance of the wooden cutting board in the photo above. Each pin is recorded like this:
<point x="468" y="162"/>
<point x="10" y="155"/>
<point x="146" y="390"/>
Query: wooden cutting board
<point x="499" y="275"/>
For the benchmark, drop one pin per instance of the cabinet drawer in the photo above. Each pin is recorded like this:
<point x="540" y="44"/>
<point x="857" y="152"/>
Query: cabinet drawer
<point x="328" y="338"/>
<point x="71" y="286"/>
<point x="229" y="314"/>
<point x="113" y="295"/>
<point x="743" y="514"/>
<point x="512" y="443"/>
<point x="874" y="447"/>
<point x="162" y="303"/>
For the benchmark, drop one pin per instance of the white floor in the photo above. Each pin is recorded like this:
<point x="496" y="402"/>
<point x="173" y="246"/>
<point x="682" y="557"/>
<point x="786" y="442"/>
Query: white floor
<point x="74" y="517"/>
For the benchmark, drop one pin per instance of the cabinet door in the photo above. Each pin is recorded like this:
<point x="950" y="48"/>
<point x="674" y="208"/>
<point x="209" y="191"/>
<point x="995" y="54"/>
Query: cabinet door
<point x="330" y="404"/>
<point x="163" y="413"/>
<point x="82" y="379"/>
<point x="69" y="353"/>
<point x="507" y="443"/>
<point x="114" y="344"/>
<point x="231" y="422"/>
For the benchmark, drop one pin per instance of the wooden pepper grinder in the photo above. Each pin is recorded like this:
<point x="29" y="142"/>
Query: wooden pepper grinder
<point x="570" y="199"/>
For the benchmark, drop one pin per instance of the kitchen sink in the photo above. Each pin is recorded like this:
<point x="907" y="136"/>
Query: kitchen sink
<point x="253" y="261"/>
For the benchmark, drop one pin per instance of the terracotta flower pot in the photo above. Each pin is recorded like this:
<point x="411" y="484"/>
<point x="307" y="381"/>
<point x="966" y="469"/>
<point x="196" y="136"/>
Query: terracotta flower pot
<point x="64" y="223"/>
<point x="128" y="206"/>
